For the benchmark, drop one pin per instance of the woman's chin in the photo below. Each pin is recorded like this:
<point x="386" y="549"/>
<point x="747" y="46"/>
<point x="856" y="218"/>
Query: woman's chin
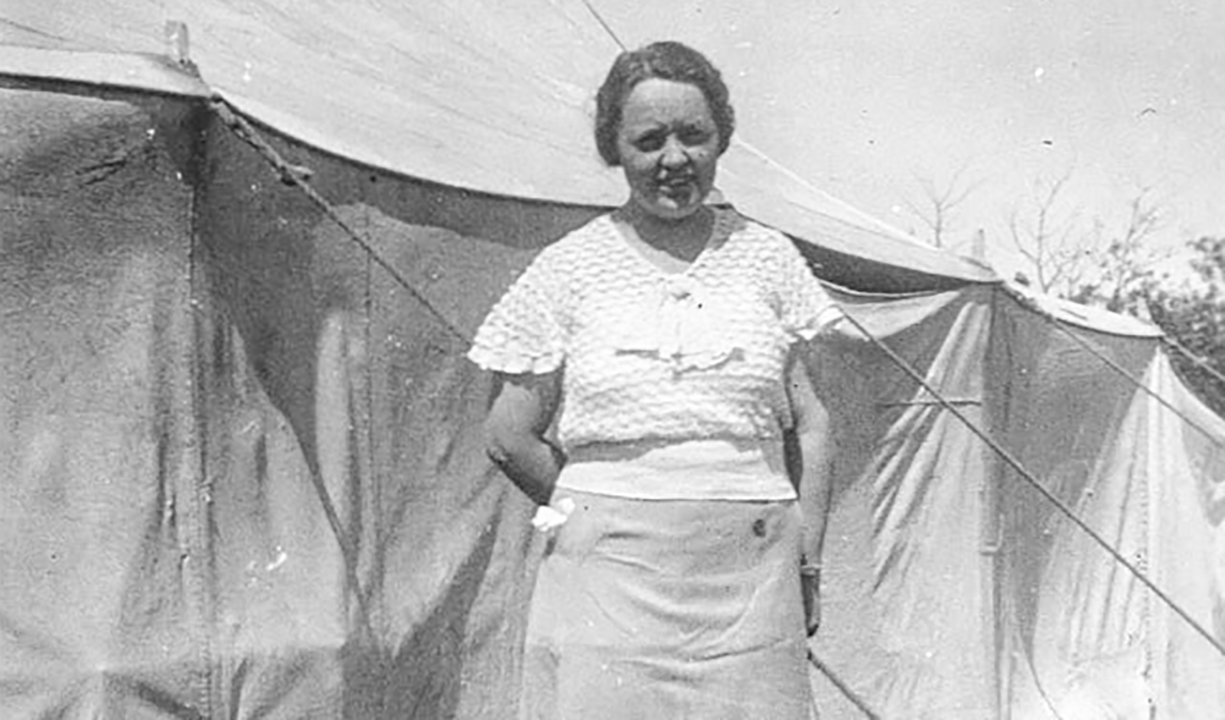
<point x="671" y="209"/>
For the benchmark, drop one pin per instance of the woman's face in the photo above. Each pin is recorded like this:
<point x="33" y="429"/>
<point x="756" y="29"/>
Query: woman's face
<point x="669" y="147"/>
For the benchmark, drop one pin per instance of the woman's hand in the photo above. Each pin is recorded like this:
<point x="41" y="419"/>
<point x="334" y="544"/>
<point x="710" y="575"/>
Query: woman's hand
<point x="810" y="588"/>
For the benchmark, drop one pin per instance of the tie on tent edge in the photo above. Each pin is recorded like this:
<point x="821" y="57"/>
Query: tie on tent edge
<point x="1029" y="478"/>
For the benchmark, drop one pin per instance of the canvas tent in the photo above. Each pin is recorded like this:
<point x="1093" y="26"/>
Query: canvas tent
<point x="241" y="473"/>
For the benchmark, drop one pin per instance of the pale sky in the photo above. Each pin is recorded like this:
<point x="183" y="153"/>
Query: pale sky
<point x="867" y="99"/>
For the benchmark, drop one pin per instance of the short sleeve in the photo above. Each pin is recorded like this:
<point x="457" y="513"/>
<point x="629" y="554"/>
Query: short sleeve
<point x="525" y="330"/>
<point x="805" y="308"/>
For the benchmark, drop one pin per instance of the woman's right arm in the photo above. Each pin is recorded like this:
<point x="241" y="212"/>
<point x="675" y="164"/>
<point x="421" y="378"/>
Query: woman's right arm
<point x="519" y="416"/>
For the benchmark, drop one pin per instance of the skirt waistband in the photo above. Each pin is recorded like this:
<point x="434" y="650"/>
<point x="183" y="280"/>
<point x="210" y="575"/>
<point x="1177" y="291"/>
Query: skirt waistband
<point x="717" y="469"/>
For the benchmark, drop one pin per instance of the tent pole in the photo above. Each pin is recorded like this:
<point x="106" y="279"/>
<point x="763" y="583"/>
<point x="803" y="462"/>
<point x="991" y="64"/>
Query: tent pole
<point x="995" y="405"/>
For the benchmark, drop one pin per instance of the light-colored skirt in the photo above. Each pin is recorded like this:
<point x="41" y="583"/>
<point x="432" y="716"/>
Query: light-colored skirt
<point x="668" y="609"/>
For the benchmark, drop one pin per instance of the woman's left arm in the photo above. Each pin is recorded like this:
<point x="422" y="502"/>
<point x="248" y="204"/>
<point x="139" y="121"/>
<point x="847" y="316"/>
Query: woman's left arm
<point x="809" y="449"/>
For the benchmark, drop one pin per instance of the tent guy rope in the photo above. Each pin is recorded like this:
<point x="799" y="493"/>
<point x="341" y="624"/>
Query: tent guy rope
<point x="1020" y="469"/>
<point x="845" y="689"/>
<point x="1199" y="360"/>
<point x="1062" y="327"/>
<point x="299" y="177"/>
<point x="607" y="28"/>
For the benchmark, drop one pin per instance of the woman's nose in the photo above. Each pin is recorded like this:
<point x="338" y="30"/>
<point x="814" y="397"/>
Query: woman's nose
<point x="673" y="154"/>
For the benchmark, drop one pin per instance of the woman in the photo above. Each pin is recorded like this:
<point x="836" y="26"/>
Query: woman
<point x="660" y="339"/>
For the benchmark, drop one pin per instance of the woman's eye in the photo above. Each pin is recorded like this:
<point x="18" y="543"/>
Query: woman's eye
<point x="649" y="143"/>
<point x="694" y="137"/>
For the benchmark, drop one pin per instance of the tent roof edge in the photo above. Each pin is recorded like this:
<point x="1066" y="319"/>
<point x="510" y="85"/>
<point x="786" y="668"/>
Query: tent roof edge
<point x="286" y="127"/>
<point x="129" y="71"/>
<point x="1082" y="316"/>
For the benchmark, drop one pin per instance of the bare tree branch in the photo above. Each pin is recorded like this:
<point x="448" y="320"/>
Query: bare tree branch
<point x="1056" y="258"/>
<point x="940" y="201"/>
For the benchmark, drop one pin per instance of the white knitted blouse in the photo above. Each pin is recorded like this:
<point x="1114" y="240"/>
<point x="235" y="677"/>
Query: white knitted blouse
<point x="660" y="357"/>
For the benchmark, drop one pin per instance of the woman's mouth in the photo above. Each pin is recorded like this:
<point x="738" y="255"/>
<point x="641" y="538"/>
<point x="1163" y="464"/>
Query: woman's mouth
<point x="676" y="186"/>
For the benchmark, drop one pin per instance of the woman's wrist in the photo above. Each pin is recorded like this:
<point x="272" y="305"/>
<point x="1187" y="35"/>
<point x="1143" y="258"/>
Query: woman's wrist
<point x="809" y="568"/>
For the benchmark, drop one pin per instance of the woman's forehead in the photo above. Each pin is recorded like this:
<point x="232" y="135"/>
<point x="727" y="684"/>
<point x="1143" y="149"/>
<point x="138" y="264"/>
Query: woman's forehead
<point x="665" y="102"/>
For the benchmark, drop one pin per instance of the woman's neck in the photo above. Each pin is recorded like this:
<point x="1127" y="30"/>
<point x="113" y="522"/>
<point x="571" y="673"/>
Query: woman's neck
<point x="683" y="238"/>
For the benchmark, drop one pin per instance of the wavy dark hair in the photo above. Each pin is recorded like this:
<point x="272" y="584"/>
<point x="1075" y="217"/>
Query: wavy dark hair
<point x="667" y="60"/>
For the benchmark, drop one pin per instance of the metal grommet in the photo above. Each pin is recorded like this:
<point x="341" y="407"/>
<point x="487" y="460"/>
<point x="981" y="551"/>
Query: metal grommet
<point x="759" y="527"/>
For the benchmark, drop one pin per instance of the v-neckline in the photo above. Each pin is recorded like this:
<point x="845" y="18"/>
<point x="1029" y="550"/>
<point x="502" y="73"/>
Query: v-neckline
<point x="636" y="248"/>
